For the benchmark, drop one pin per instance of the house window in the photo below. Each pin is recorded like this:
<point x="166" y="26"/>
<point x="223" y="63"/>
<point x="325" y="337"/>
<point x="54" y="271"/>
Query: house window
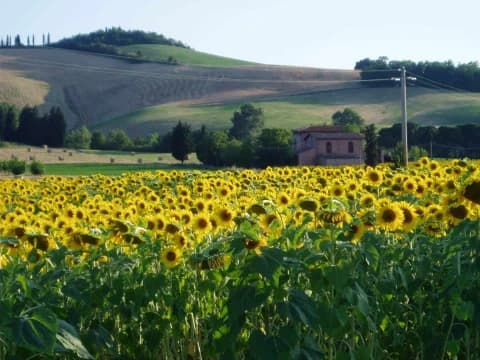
<point x="350" y="147"/>
<point x="329" y="147"/>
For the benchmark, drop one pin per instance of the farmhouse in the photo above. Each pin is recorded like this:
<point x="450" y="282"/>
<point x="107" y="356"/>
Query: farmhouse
<point x="327" y="145"/>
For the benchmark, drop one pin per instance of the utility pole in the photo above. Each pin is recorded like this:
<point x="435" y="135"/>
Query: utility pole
<point x="403" y="96"/>
<point x="403" y="87"/>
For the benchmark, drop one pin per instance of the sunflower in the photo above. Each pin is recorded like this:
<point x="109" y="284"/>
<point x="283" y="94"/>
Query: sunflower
<point x="201" y="224"/>
<point x="308" y="204"/>
<point x="367" y="200"/>
<point x="255" y="244"/>
<point x="409" y="186"/>
<point x="337" y="190"/>
<point x="356" y="231"/>
<point x="389" y="216"/>
<point x="456" y="213"/>
<point x="224" y="216"/>
<point x="171" y="256"/>
<point x="180" y="240"/>
<point x="283" y="199"/>
<point x="471" y="191"/>
<point x="266" y="220"/>
<point x="409" y="216"/>
<point x="336" y="217"/>
<point x="374" y="177"/>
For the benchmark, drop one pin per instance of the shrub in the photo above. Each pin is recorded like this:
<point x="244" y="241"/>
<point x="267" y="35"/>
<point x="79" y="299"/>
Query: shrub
<point x="16" y="167"/>
<point x="37" y="168"/>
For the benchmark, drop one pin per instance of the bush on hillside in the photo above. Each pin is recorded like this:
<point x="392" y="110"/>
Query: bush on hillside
<point x="37" y="168"/>
<point x="16" y="167"/>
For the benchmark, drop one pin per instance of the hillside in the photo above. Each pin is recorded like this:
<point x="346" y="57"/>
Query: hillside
<point x="107" y="92"/>
<point x="178" y="54"/>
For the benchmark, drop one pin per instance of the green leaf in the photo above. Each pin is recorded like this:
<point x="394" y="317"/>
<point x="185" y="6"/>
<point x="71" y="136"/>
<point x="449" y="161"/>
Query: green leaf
<point x="262" y="347"/>
<point x="362" y="298"/>
<point x="22" y="280"/>
<point x="372" y="256"/>
<point x="7" y="240"/>
<point x="37" y="333"/>
<point x="299" y="308"/>
<point x="69" y="339"/>
<point x="337" y="276"/>
<point x="267" y="263"/>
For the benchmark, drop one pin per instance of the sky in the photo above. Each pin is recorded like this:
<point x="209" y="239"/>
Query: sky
<point x="314" y="33"/>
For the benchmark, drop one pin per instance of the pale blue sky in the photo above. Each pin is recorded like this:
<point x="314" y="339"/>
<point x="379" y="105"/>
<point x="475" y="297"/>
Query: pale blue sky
<point x="323" y="34"/>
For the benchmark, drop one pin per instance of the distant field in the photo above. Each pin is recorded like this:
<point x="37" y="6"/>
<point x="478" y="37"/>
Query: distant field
<point x="82" y="157"/>
<point x="182" y="55"/>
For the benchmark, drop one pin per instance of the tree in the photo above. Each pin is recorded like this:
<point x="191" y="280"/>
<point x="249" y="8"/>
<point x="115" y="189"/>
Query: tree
<point x="98" y="140"/>
<point x="274" y="147"/>
<point x="29" y="128"/>
<point x="79" y="138"/>
<point x="182" y="142"/>
<point x="117" y="140"/>
<point x="18" y="42"/>
<point x="11" y="124"/>
<point x="247" y="122"/>
<point x="348" y="118"/>
<point x="2" y="121"/>
<point x="56" y="125"/>
<point x="371" y="145"/>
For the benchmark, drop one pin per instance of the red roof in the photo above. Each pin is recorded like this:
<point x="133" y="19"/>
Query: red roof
<point x="320" y="128"/>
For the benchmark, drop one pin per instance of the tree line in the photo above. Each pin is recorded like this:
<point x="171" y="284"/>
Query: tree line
<point x="246" y="144"/>
<point x="28" y="126"/>
<point x="106" y="41"/>
<point x="16" y="42"/>
<point x="442" y="141"/>
<point x="463" y="76"/>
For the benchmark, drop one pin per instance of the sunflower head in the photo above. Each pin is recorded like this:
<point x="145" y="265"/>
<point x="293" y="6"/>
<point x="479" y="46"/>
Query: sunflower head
<point x="374" y="177"/>
<point x="389" y="216"/>
<point x="471" y="191"/>
<point x="171" y="256"/>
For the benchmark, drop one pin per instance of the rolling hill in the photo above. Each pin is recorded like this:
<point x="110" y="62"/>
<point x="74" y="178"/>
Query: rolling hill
<point x="106" y="92"/>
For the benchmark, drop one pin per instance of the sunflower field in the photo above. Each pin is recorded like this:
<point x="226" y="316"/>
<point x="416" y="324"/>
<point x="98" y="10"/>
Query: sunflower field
<point x="280" y="263"/>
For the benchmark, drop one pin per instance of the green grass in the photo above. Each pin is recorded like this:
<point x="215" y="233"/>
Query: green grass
<point x="379" y="106"/>
<point x="182" y="55"/>
<point x="110" y="169"/>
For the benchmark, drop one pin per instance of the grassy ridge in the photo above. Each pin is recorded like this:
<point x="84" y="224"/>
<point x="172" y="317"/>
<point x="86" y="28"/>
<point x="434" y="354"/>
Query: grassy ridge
<point x="110" y="169"/>
<point x="379" y="106"/>
<point x="182" y="55"/>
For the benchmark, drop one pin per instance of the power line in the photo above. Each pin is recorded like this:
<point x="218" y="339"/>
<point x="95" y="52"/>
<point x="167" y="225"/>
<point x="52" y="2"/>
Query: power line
<point x="177" y="76"/>
<point x="441" y="84"/>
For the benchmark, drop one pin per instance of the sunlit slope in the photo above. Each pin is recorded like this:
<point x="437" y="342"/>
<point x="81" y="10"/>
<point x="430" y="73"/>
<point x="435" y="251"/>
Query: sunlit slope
<point x="19" y="90"/>
<point x="379" y="106"/>
<point x="181" y="55"/>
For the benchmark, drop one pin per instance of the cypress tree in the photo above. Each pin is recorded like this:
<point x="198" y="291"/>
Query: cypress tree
<point x="182" y="142"/>
<point x="11" y="124"/>
<point x="371" y="145"/>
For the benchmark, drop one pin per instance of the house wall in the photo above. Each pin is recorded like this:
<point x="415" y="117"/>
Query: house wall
<point x="339" y="146"/>
<point x="308" y="157"/>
